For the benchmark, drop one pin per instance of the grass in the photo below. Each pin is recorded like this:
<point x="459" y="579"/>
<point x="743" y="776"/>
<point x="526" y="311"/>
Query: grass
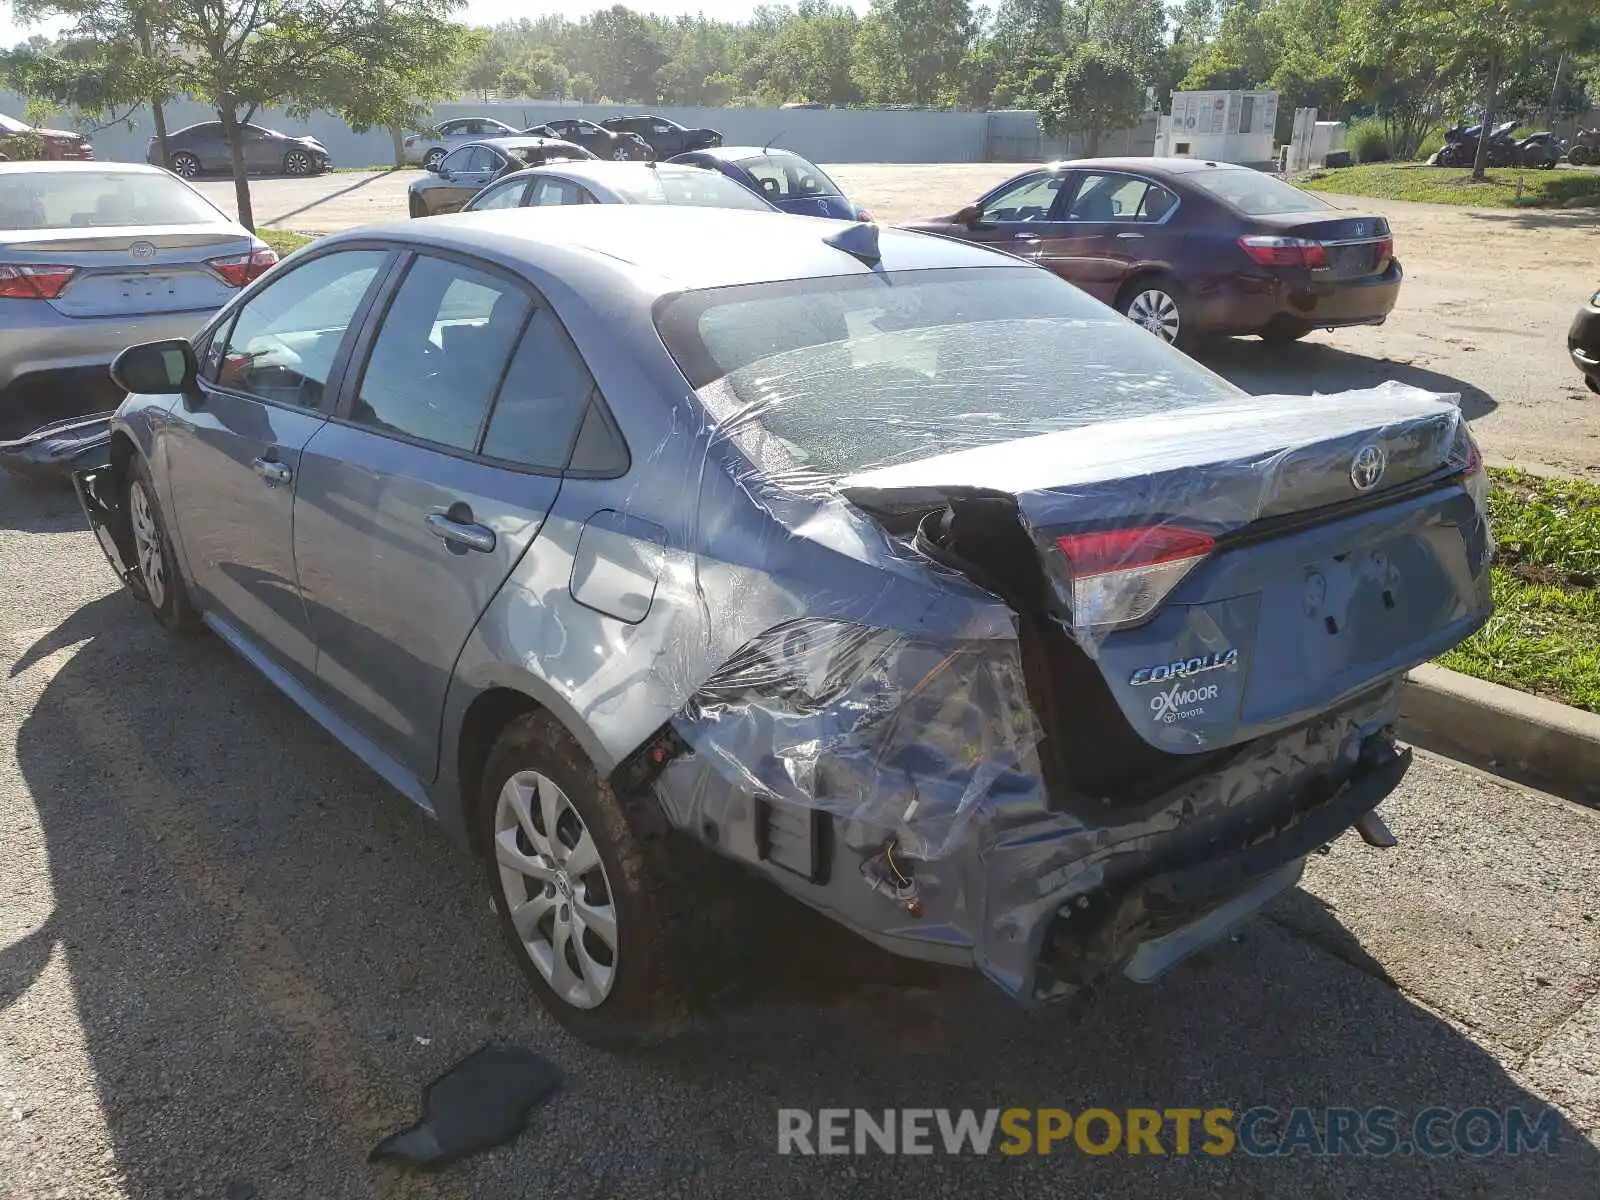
<point x="283" y="241"/>
<point x="1544" y="636"/>
<point x="1454" y="185"/>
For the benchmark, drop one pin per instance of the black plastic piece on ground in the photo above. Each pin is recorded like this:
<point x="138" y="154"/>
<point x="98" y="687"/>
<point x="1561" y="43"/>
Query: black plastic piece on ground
<point x="477" y="1104"/>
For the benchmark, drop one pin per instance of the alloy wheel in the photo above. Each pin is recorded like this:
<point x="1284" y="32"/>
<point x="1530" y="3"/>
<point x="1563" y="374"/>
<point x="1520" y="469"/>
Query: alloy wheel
<point x="147" y="544"/>
<point x="620" y="154"/>
<point x="556" y="889"/>
<point x="434" y="158"/>
<point x="185" y="165"/>
<point x="1156" y="312"/>
<point x="299" y="163"/>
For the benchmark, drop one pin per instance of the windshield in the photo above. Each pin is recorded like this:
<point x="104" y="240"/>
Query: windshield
<point x="820" y="378"/>
<point x="8" y="125"/>
<point x="99" y="199"/>
<point x="783" y="176"/>
<point x="696" y="187"/>
<point x="1252" y="193"/>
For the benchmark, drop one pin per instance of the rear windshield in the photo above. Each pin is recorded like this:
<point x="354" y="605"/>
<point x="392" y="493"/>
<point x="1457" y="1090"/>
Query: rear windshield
<point x="816" y="379"/>
<point x="783" y="176"/>
<point x="704" y="189"/>
<point x="98" y="199"/>
<point x="1252" y="193"/>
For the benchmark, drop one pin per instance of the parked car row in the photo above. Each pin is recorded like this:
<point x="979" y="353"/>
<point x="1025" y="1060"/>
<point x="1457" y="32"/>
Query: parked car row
<point x="625" y="138"/>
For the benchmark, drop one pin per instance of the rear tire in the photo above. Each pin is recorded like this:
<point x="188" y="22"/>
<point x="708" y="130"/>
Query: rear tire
<point x="1159" y="305"/>
<point x="185" y="165"/>
<point x="620" y="154"/>
<point x="433" y="158"/>
<point x="165" y="593"/>
<point x="580" y="888"/>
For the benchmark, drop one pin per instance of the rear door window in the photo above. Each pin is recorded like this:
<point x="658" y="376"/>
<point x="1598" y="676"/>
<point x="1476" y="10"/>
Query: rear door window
<point x="440" y="354"/>
<point x="1110" y="197"/>
<point x="508" y="195"/>
<point x="542" y="400"/>
<point x="284" y="340"/>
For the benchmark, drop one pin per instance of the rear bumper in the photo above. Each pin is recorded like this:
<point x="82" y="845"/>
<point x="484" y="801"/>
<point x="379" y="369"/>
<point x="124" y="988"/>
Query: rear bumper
<point x="1583" y="343"/>
<point x="1249" y="304"/>
<point x="35" y="340"/>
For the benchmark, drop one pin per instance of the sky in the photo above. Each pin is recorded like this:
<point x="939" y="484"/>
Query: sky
<point x="491" y="12"/>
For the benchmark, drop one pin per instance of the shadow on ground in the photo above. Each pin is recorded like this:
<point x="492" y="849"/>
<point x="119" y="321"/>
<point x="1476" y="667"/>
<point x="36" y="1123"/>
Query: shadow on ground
<point x="34" y="506"/>
<point x="271" y="953"/>
<point x="1301" y="368"/>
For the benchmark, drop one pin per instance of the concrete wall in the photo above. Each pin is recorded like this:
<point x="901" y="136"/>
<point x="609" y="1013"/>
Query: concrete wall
<point x="822" y="135"/>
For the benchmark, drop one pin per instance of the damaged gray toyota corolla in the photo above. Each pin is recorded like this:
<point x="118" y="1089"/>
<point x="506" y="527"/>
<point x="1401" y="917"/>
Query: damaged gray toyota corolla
<point x="894" y="568"/>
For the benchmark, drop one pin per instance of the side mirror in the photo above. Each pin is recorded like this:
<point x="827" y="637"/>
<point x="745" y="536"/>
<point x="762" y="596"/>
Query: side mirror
<point x="156" y="368"/>
<point x="970" y="215"/>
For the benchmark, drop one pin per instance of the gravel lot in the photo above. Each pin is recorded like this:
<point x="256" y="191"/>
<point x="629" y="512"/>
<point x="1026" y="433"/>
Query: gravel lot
<point x="1484" y="311"/>
<point x="230" y="958"/>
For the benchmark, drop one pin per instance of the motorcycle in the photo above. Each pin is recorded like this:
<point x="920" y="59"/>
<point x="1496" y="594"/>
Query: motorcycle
<point x="1585" y="148"/>
<point x="1461" y="146"/>
<point x="1542" y="150"/>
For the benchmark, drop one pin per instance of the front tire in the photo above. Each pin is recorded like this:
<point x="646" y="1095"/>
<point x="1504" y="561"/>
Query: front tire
<point x="418" y="209"/>
<point x="160" y="580"/>
<point x="297" y="162"/>
<point x="579" y="889"/>
<point x="185" y="165"/>
<point x="1158" y="304"/>
<point x="432" y="159"/>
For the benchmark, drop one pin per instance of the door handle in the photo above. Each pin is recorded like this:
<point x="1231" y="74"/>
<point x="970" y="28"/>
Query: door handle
<point x="1130" y="235"/>
<point x="460" y="533"/>
<point x="275" y="473"/>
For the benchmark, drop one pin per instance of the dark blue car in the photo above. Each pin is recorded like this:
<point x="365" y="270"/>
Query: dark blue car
<point x="781" y="177"/>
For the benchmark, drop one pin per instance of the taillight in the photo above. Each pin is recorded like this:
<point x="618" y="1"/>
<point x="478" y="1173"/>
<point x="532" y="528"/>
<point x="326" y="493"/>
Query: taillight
<point x="1476" y="479"/>
<point x="411" y="139"/>
<point x="1385" y="251"/>
<point x="239" y="269"/>
<point x="34" y="283"/>
<point x="1121" y="575"/>
<point x="1285" y="251"/>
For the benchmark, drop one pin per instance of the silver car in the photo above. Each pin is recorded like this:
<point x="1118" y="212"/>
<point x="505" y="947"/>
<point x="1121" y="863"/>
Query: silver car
<point x="895" y="569"/>
<point x="615" y="183"/>
<point x="428" y="147"/>
<point x="97" y="256"/>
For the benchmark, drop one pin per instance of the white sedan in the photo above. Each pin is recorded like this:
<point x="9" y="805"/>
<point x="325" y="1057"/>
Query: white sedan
<point x="428" y="148"/>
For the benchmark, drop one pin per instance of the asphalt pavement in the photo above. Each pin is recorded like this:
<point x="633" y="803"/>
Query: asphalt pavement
<point x="230" y="958"/>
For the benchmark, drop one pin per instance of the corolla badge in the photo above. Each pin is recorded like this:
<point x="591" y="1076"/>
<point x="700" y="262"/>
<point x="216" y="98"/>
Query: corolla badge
<point x="142" y="250"/>
<point x="1183" y="668"/>
<point x="1366" y="469"/>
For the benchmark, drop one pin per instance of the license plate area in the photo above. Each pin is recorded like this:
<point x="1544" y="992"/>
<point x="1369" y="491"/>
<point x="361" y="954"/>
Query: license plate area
<point x="1350" y="261"/>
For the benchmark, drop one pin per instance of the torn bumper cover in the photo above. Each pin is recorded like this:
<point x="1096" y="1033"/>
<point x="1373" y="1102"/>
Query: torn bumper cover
<point x="55" y="451"/>
<point x="904" y="796"/>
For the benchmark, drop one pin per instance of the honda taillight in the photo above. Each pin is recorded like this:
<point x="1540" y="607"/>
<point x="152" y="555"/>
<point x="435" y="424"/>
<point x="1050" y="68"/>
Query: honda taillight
<point x="1385" y="252"/>
<point x="1285" y="251"/>
<point x="34" y="282"/>
<point x="239" y="269"/>
<point x="1118" y="576"/>
<point x="1476" y="479"/>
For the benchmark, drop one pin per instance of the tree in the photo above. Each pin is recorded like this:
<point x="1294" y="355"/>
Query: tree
<point x="1097" y="90"/>
<point x="115" y="57"/>
<point x="911" y="50"/>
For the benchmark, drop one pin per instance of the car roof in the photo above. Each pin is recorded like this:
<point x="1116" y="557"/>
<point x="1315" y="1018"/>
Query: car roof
<point x="605" y="171"/>
<point x="1142" y="166"/>
<point x="524" y="142"/>
<point x="736" y="153"/>
<point x="664" y="248"/>
<point x="101" y="167"/>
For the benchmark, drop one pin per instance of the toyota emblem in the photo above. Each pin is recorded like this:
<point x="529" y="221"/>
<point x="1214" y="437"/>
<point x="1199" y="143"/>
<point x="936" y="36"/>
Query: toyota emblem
<point x="1366" y="469"/>
<point x="142" y="250"/>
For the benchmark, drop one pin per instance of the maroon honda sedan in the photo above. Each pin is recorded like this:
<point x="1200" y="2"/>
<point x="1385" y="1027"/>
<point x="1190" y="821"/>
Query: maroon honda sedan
<point x="1188" y="248"/>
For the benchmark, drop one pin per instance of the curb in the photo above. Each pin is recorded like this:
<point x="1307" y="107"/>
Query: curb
<point x="1531" y="740"/>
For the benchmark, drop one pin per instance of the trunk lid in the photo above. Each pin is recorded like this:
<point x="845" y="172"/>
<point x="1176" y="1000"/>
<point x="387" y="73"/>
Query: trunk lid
<point x="1356" y="244"/>
<point x="1339" y="547"/>
<point x="129" y="270"/>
